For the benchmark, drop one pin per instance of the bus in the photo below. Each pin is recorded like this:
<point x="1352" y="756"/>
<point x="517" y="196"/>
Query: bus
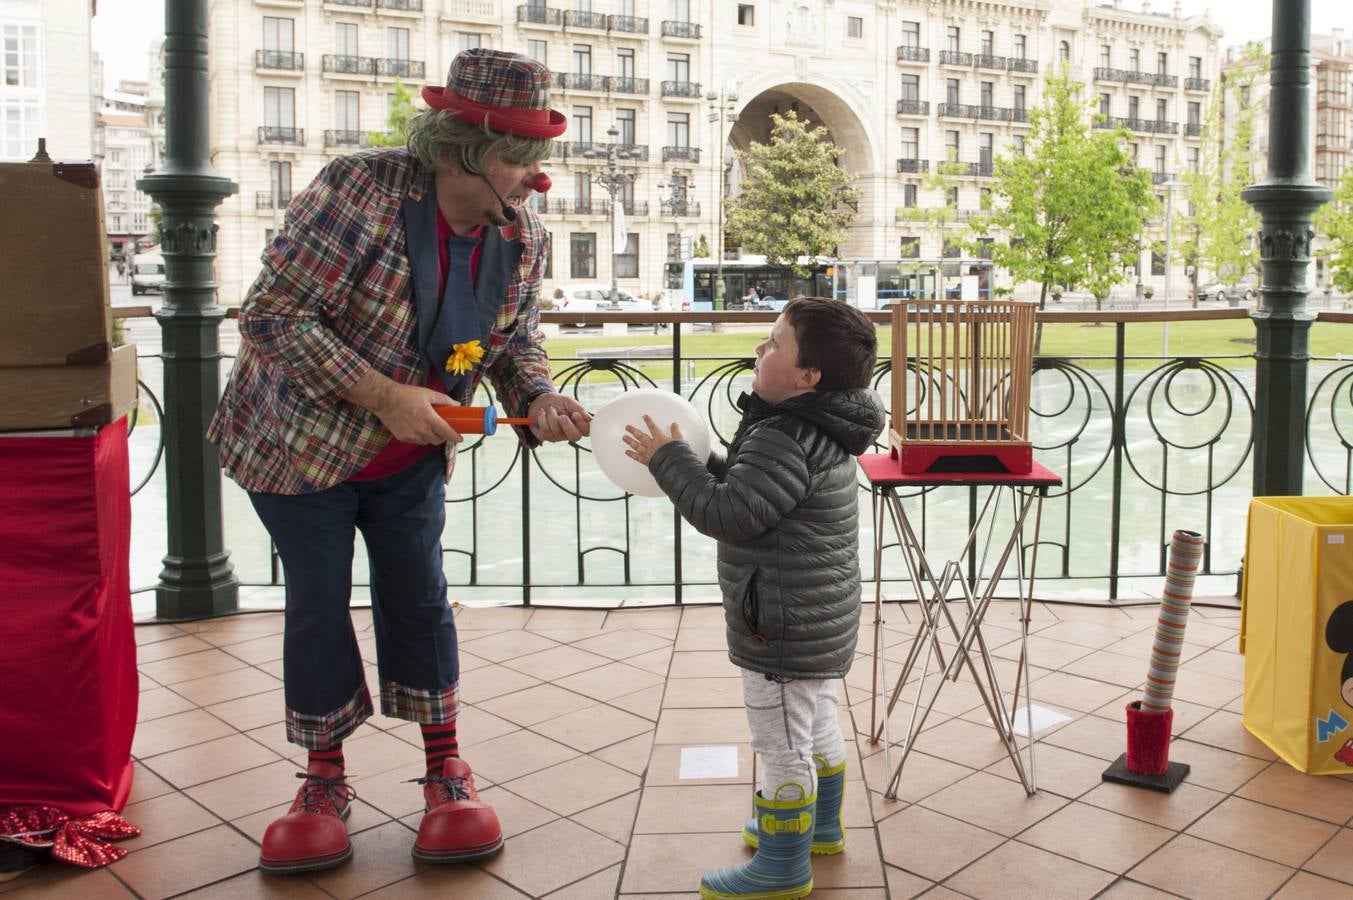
<point x="866" y="283"/>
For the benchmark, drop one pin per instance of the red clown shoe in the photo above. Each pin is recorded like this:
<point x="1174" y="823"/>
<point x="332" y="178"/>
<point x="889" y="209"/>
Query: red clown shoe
<point x="457" y="826"/>
<point x="312" y="834"/>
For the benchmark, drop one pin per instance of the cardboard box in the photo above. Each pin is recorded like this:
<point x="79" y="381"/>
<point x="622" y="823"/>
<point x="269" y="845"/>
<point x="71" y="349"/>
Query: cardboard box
<point x="53" y="266"/>
<point x="42" y="397"/>
<point x="1296" y="630"/>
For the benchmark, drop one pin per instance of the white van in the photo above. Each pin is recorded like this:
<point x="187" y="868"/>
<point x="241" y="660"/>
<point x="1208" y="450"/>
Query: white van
<point x="148" y="272"/>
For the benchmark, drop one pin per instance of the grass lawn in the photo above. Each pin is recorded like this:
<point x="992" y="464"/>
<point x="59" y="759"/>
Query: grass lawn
<point x="1091" y="343"/>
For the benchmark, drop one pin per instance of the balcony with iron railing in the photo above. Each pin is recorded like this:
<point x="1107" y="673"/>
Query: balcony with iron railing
<point x="617" y="84"/>
<point x="579" y="81"/>
<point x="400" y="68"/>
<point x="1193" y="129"/>
<point x="281" y="134"/>
<point x="264" y="200"/>
<point x="1023" y="66"/>
<point x="532" y="14"/>
<point x="410" y="6"/>
<point x="913" y="107"/>
<point x="958" y="110"/>
<point x="471" y="9"/>
<point x="1159" y="177"/>
<point x="344" y="138"/>
<point x="334" y="64"/>
<point x="684" y="30"/>
<point x="911" y="166"/>
<point x="681" y="89"/>
<point x="680" y="209"/>
<point x="955" y="58"/>
<point x="681" y="154"/>
<point x="565" y="206"/>
<point x="279" y="60"/>
<point x="906" y="53"/>
<point x="1197" y="84"/>
<point x="577" y="19"/>
<point x="360" y="4"/>
<point x="988" y="61"/>
<point x="627" y="24"/>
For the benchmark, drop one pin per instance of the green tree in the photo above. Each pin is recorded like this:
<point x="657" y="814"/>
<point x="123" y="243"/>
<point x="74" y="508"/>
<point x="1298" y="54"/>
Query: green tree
<point x="701" y="249"/>
<point x="401" y="111"/>
<point x="944" y="180"/>
<point x="1223" y="225"/>
<point x="795" y="201"/>
<point x="1335" y="222"/>
<point x="1074" y="201"/>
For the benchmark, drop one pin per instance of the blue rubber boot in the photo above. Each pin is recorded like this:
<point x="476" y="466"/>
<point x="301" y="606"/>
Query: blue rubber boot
<point x="829" y="837"/>
<point x="781" y="868"/>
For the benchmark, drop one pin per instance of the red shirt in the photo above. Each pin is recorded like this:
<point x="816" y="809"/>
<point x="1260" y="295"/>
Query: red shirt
<point x="399" y="455"/>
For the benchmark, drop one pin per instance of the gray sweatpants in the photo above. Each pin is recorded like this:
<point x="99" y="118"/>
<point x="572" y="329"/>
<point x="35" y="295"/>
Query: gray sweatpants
<point x="792" y="722"/>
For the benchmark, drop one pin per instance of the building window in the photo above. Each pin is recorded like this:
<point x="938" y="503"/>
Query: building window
<point x="582" y="192"/>
<point x="1160" y="159"/>
<point x="746" y="14"/>
<point x="1135" y="59"/>
<point x="988" y="94"/>
<point x="953" y="33"/>
<point x="1105" y="56"/>
<point x="467" y="41"/>
<point x="539" y="51"/>
<point x="279" y="107"/>
<point x="582" y="59"/>
<point x="1162" y="110"/>
<point x="1134" y="107"/>
<point x="984" y="245"/>
<point x="624" y="63"/>
<point x="345" y="39"/>
<point x="1157" y="263"/>
<point x="1064" y="52"/>
<point x="1018" y="144"/>
<point x="951" y="146"/>
<point x="678" y="129"/>
<point x="582" y="255"/>
<point x="1104" y="105"/>
<point x="908" y="247"/>
<point x="627" y="260"/>
<point x="911" y="34"/>
<point x="951" y="197"/>
<point x="1191" y="159"/>
<point x="625" y="195"/>
<point x="279" y="177"/>
<point x="910" y="142"/>
<point x="21" y="47"/>
<point x="1019" y="96"/>
<point x="854" y="27"/>
<point x="1021" y="46"/>
<point x="582" y="6"/>
<point x="988" y="43"/>
<point x="582" y="123"/>
<point x="624" y="121"/>
<point x="679" y="10"/>
<point x="679" y="67"/>
<point x="397" y="44"/>
<point x="951" y="91"/>
<point x="278" y="35"/>
<point x="952" y="249"/>
<point x="1195" y="67"/>
<point x="346" y="106"/>
<point x="985" y="145"/>
<point x="1195" y="113"/>
<point x="911" y="87"/>
<point x="1162" y="63"/>
<point x="909" y="196"/>
<point x="984" y="199"/>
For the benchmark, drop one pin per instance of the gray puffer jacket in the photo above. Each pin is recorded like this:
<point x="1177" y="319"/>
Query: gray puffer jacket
<point x="783" y="507"/>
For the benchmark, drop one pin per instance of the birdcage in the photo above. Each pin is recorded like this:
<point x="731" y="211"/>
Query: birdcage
<point x="961" y="374"/>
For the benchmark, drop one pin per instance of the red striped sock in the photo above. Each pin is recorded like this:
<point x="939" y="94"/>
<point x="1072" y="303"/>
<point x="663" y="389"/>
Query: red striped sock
<point x="333" y="756"/>
<point x="439" y="743"/>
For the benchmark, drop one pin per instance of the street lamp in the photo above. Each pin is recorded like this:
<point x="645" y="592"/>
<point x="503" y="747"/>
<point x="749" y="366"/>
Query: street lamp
<point x="612" y="181"/>
<point x="721" y="109"/>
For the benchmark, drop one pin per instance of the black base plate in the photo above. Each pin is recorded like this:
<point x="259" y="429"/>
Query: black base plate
<point x="1119" y="773"/>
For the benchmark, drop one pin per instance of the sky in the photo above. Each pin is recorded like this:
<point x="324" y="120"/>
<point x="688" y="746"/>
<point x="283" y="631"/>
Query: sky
<point x="124" y="29"/>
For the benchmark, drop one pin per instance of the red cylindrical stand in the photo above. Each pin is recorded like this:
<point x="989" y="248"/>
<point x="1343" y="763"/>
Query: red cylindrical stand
<point x="1148" y="740"/>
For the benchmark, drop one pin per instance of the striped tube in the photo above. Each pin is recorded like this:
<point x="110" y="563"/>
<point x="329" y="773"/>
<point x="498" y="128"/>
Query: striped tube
<point x="1186" y="548"/>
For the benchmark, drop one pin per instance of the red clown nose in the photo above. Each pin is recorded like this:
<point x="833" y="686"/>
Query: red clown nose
<point x="540" y="183"/>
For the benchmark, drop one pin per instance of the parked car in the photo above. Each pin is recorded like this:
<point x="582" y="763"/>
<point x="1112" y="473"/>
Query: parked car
<point x="596" y="297"/>
<point x="147" y="272"/>
<point x="1228" y="292"/>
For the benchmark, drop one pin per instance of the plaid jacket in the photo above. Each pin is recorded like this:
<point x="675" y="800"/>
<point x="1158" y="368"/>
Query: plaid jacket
<point x="336" y="296"/>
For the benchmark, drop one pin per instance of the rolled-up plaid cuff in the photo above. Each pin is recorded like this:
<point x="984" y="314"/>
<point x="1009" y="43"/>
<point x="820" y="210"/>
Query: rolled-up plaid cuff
<point x="328" y="731"/>
<point x="434" y="707"/>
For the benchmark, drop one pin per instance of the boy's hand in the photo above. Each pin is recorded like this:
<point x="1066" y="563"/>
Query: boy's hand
<point x="642" y="445"/>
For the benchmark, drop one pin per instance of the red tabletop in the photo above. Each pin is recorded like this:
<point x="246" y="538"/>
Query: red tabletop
<point x="883" y="470"/>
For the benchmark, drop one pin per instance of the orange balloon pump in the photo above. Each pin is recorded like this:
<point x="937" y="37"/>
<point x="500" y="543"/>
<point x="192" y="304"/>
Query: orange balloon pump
<point x="476" y="419"/>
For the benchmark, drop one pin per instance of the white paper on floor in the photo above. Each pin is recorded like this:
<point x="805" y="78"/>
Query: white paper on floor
<point x="709" y="762"/>
<point x="1043" y="719"/>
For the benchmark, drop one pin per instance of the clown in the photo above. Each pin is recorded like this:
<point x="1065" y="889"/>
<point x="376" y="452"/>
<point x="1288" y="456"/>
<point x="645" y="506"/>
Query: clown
<point x="402" y="279"/>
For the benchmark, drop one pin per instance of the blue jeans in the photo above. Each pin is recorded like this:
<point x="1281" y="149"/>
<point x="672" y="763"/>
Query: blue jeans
<point x="401" y="518"/>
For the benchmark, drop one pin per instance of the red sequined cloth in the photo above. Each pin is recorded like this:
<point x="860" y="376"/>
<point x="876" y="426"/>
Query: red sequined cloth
<point x="80" y="842"/>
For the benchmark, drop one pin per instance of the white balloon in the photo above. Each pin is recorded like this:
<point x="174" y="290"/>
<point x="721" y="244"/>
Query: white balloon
<point x="608" y="431"/>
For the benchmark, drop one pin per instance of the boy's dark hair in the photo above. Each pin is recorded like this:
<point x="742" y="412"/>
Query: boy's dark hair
<point x="836" y="339"/>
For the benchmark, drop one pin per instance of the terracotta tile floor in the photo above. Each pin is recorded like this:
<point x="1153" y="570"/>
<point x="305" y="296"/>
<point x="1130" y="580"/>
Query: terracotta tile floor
<point x="576" y="722"/>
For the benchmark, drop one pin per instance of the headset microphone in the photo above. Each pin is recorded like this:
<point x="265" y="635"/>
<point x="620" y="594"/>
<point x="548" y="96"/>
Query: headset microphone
<point x="508" y="213"/>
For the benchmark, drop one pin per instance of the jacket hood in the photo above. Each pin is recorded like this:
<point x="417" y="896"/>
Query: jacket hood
<point x="853" y="418"/>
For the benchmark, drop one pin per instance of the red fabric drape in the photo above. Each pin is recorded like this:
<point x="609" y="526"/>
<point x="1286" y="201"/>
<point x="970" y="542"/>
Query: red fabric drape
<point x="68" y="682"/>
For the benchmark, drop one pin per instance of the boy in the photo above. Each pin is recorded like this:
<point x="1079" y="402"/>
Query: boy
<point x="783" y="508"/>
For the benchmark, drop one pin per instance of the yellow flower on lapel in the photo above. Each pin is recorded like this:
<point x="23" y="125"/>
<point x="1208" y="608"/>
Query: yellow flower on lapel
<point x="463" y="357"/>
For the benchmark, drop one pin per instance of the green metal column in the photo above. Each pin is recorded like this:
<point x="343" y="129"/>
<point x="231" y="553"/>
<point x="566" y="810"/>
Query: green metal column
<point x="1285" y="200"/>
<point x="198" y="578"/>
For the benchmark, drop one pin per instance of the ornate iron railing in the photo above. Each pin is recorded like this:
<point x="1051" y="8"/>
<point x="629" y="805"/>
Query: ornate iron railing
<point x="1144" y="444"/>
<point x="908" y="53"/>
<point x="913" y="107"/>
